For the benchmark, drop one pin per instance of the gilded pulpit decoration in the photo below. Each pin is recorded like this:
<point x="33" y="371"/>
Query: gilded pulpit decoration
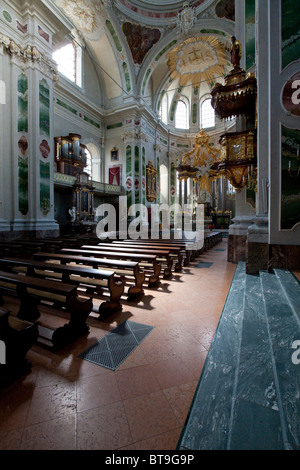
<point x="238" y="162"/>
<point x="151" y="175"/>
<point x="197" y="164"/>
<point x="238" y="158"/>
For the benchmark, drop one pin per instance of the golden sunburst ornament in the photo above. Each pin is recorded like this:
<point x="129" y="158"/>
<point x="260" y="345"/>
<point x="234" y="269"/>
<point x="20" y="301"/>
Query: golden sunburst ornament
<point x="81" y="14"/>
<point x="197" y="59"/>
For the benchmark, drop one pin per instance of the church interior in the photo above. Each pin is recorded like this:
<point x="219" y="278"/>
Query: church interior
<point x="149" y="225"/>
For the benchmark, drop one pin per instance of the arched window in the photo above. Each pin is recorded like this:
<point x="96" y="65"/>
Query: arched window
<point x="163" y="111"/>
<point x="93" y="167"/>
<point x="88" y="169"/>
<point x="68" y="59"/>
<point x="207" y="117"/>
<point x="164" y="183"/>
<point x="182" y="115"/>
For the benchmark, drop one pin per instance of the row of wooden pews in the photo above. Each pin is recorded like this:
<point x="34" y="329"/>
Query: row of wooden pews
<point x="72" y="274"/>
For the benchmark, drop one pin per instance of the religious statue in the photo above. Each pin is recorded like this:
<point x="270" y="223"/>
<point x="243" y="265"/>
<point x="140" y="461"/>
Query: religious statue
<point x="72" y="213"/>
<point x="236" y="52"/>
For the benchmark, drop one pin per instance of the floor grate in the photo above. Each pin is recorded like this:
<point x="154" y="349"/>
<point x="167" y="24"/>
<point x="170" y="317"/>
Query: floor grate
<point x="111" y="350"/>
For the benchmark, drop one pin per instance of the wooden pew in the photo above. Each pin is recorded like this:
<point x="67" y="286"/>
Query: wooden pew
<point x="191" y="248"/>
<point x="188" y="249"/>
<point x="211" y="239"/>
<point x="173" y="250"/>
<point x="18" y="336"/>
<point x="20" y="248"/>
<point x="144" y="260"/>
<point x="126" y="271"/>
<point x="165" y="255"/>
<point x="78" y="275"/>
<point x="52" y="245"/>
<point x="7" y="248"/>
<point x="31" y="291"/>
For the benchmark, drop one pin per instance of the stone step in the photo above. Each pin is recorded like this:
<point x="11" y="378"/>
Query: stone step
<point x="255" y="419"/>
<point x="291" y="287"/>
<point x="248" y="396"/>
<point x="284" y="330"/>
<point x="208" y="423"/>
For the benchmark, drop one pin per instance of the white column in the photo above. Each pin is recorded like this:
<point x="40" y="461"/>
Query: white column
<point x="258" y="231"/>
<point x="4" y="165"/>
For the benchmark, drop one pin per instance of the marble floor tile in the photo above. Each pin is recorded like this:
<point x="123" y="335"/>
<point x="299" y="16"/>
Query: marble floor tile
<point x="136" y="381"/>
<point x="103" y="428"/>
<point x="164" y="441"/>
<point x="56" y="434"/>
<point x="180" y="398"/>
<point x="171" y="372"/>
<point x="149" y="415"/>
<point x="51" y="402"/>
<point x="96" y="391"/>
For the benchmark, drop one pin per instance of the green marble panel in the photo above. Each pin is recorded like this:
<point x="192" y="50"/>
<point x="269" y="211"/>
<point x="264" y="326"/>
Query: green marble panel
<point x="23" y="185"/>
<point x="129" y="173"/>
<point x="173" y="107"/>
<point x="194" y="113"/>
<point x="114" y="126"/>
<point x="127" y="77"/>
<point x="157" y="181"/>
<point x="114" y="35"/>
<point x="137" y="173"/>
<point x="171" y="44"/>
<point x="143" y="178"/>
<point x="290" y="30"/>
<point x="66" y="106"/>
<point x="44" y="107"/>
<point x="145" y="80"/>
<point x="7" y="16"/>
<point x="250" y="33"/>
<point x="90" y="121"/>
<point x="45" y="187"/>
<point x="160" y="99"/>
<point x="22" y="103"/>
<point x="173" y="181"/>
<point x="290" y="178"/>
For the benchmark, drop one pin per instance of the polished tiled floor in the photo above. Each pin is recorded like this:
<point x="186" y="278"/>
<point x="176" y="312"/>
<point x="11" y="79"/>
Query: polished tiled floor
<point x="68" y="403"/>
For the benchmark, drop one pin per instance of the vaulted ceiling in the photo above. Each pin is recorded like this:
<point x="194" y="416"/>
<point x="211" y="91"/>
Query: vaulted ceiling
<point x="145" y="47"/>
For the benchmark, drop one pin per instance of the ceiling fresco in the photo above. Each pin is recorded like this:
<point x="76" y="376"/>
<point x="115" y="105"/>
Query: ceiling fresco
<point x="140" y="40"/>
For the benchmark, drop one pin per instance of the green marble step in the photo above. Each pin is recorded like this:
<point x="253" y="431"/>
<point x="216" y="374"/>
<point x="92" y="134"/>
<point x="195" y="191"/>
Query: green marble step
<point x="284" y="330"/>
<point x="248" y="396"/>
<point x="208" y="424"/>
<point x="291" y="287"/>
<point x="255" y="418"/>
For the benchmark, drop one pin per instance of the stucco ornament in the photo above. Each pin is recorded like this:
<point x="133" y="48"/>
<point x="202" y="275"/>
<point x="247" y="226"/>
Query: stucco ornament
<point x="186" y="19"/>
<point x="197" y="59"/>
<point x="81" y="14"/>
